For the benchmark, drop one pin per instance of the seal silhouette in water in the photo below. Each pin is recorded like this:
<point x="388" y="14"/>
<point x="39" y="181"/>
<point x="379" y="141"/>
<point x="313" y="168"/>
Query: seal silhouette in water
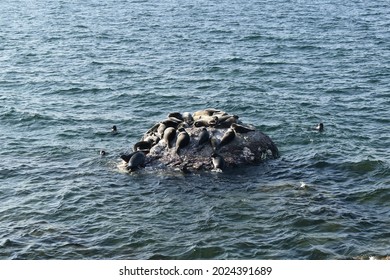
<point x="320" y="127"/>
<point x="114" y="129"/>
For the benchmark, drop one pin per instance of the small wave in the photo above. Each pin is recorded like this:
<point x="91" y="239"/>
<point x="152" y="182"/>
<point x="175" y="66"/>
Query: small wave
<point x="362" y="167"/>
<point x="203" y="252"/>
<point x="379" y="195"/>
<point x="78" y="90"/>
<point x="372" y="257"/>
<point x="21" y="118"/>
<point x="252" y="37"/>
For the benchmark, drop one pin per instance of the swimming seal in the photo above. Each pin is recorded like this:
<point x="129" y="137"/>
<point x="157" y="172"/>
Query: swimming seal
<point x="227" y="137"/>
<point x="136" y="161"/>
<point x="114" y="129"/>
<point x="320" y="127"/>
<point x="183" y="125"/>
<point x="183" y="139"/>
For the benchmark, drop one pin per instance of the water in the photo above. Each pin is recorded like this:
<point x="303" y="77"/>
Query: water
<point x="69" y="70"/>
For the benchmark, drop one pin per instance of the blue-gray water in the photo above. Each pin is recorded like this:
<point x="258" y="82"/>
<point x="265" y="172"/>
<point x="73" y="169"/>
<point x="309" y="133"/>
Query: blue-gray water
<point x="69" y="70"/>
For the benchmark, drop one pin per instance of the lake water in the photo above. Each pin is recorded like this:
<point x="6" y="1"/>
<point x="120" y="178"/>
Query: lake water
<point x="70" y="70"/>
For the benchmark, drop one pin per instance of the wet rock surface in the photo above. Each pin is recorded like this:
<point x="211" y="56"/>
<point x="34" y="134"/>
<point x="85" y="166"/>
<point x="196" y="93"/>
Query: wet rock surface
<point x="193" y="142"/>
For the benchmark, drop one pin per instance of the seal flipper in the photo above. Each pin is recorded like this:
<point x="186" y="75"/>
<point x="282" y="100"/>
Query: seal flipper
<point x="126" y="157"/>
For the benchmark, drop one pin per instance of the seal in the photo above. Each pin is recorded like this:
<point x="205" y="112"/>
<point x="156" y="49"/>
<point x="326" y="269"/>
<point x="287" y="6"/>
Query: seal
<point x="227" y="120"/>
<point x="214" y="142"/>
<point x="183" y="139"/>
<point x="204" y="136"/>
<point x="183" y="125"/>
<point x="142" y="146"/>
<point x="126" y="157"/>
<point x="187" y="118"/>
<point x="240" y="128"/>
<point x="153" y="129"/>
<point x="161" y="129"/>
<point x="152" y="139"/>
<point x="169" y="135"/>
<point x="213" y="121"/>
<point x="136" y="161"/>
<point x="201" y="122"/>
<point x="114" y="129"/>
<point x="171" y="122"/>
<point x="218" y="162"/>
<point x="320" y="127"/>
<point x="206" y="113"/>
<point x="176" y="115"/>
<point x="206" y="121"/>
<point x="227" y="137"/>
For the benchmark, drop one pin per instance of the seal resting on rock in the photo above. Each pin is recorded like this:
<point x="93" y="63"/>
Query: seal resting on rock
<point x="202" y="147"/>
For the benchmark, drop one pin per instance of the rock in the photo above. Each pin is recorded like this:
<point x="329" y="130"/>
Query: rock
<point x="249" y="146"/>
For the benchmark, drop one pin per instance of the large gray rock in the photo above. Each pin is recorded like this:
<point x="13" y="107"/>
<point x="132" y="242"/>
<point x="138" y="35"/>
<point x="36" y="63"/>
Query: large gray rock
<point x="248" y="146"/>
